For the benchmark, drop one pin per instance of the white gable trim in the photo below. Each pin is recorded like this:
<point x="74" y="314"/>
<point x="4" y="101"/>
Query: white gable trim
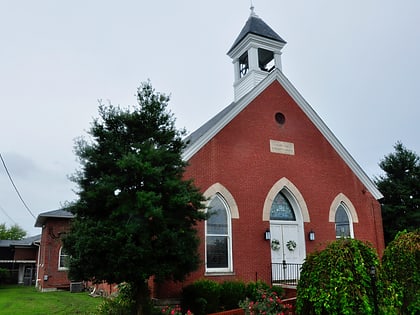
<point x="306" y="108"/>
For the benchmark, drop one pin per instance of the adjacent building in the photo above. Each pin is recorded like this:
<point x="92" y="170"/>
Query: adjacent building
<point x="52" y="264"/>
<point x="19" y="258"/>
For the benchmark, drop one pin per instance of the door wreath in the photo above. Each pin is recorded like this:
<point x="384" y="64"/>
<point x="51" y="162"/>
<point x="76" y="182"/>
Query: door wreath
<point x="291" y="245"/>
<point x="275" y="245"/>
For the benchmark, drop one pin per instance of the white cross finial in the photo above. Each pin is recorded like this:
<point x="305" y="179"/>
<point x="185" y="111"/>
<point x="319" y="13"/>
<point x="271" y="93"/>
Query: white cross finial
<point x="252" y="9"/>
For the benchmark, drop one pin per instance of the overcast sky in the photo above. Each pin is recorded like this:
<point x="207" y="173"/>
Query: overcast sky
<point x="356" y="62"/>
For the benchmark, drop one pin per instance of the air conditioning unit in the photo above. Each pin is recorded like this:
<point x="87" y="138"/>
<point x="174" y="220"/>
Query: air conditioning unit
<point x="76" y="287"/>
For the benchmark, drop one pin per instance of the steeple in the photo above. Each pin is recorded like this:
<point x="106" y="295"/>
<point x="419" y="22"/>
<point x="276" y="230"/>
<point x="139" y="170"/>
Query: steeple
<point x="255" y="53"/>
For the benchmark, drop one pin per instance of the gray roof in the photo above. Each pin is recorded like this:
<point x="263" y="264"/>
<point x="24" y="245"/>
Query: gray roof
<point x="59" y="214"/>
<point x="255" y="25"/>
<point x="28" y="241"/>
<point x="196" y="135"/>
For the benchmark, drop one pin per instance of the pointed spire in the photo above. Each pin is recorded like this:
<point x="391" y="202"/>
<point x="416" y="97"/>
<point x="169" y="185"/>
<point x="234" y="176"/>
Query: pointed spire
<point x="255" y="25"/>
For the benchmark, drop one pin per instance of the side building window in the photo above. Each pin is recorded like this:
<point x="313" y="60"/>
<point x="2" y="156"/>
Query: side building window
<point x="343" y="225"/>
<point x="63" y="260"/>
<point x="218" y="236"/>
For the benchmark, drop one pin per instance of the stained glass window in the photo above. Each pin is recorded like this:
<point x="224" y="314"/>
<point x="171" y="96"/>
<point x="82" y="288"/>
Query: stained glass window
<point x="281" y="209"/>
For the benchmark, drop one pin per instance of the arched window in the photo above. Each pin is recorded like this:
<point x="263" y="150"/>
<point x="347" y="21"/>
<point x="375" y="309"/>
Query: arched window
<point x="343" y="226"/>
<point x="343" y="214"/>
<point x="218" y="236"/>
<point x="281" y="209"/>
<point x="63" y="260"/>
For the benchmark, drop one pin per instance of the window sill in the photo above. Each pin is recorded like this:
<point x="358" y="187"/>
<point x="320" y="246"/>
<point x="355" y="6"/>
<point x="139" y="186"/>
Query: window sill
<point x="218" y="273"/>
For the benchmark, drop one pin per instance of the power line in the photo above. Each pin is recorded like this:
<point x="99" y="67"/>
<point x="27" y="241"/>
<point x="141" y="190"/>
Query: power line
<point x="17" y="191"/>
<point x="5" y="213"/>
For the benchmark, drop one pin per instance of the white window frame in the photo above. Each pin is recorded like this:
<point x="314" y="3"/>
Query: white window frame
<point x="348" y="206"/>
<point x="229" y="268"/>
<point x="346" y="210"/>
<point x="61" y="256"/>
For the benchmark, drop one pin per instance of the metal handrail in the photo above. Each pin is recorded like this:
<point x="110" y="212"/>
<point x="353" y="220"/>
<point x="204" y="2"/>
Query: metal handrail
<point x="285" y="273"/>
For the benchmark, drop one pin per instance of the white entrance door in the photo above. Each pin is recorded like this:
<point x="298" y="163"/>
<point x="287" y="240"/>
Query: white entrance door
<point x="287" y="250"/>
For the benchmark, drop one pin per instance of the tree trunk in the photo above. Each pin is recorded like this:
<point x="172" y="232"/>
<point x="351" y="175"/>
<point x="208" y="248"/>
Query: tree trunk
<point x="142" y="297"/>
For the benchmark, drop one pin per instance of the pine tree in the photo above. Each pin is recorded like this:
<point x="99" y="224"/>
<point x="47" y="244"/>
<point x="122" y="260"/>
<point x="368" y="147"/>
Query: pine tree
<point x="400" y="186"/>
<point x="135" y="215"/>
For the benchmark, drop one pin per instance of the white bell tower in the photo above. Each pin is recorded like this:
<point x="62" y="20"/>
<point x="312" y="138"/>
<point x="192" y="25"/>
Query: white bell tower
<point x="255" y="53"/>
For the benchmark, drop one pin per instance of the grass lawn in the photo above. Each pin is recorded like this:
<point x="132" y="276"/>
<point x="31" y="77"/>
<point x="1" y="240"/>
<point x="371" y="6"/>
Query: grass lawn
<point x="22" y="300"/>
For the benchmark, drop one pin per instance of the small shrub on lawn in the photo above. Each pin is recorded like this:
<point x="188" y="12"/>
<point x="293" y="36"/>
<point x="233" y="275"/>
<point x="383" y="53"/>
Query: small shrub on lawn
<point x="202" y="297"/>
<point x="231" y="292"/>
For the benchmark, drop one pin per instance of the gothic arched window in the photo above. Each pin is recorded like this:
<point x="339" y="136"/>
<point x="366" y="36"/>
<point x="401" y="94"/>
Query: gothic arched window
<point x="218" y="236"/>
<point x="342" y="222"/>
<point x="281" y="209"/>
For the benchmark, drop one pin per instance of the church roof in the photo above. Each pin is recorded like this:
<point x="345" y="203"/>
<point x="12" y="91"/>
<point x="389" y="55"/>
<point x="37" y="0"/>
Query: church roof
<point x="255" y="25"/>
<point x="206" y="132"/>
<point x="59" y="214"/>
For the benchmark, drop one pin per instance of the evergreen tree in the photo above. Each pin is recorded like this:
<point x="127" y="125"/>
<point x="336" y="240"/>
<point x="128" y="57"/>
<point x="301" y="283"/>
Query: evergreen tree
<point x="400" y="186"/>
<point x="135" y="215"/>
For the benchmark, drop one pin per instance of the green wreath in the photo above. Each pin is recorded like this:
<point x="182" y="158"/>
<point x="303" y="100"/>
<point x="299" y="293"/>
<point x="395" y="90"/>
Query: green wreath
<point x="291" y="245"/>
<point x="275" y="245"/>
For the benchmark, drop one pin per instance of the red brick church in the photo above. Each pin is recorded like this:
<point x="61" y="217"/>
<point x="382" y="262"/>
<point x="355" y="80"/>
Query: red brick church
<point x="279" y="182"/>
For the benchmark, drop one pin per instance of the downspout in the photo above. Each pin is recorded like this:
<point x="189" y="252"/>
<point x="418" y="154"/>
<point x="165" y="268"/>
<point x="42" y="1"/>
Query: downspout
<point x="38" y="244"/>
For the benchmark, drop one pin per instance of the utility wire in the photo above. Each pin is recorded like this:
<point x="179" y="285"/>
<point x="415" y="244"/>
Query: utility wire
<point x="5" y="213"/>
<point x="17" y="191"/>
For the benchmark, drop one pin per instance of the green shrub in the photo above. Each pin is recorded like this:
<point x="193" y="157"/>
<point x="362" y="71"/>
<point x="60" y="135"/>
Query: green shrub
<point x="231" y="292"/>
<point x="338" y="280"/>
<point x="401" y="264"/>
<point x="121" y="304"/>
<point x="265" y="302"/>
<point x="4" y="276"/>
<point x="253" y="289"/>
<point x="202" y="297"/>
<point x="278" y="290"/>
<point x="207" y="296"/>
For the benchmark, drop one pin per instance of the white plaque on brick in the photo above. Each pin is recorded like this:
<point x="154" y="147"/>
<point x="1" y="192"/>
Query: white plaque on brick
<point x="282" y="147"/>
